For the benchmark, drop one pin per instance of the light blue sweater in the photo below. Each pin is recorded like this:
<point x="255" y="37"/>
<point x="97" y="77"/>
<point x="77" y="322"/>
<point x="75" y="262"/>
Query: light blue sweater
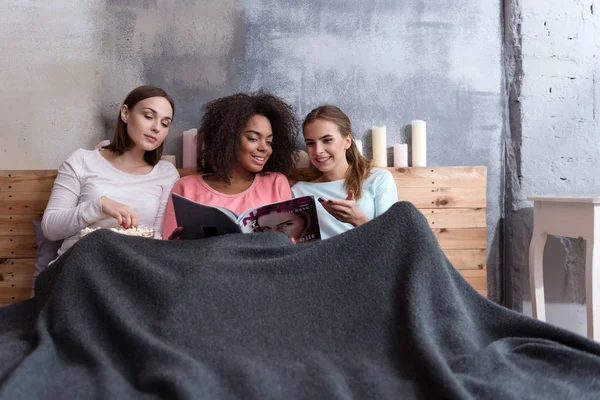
<point x="379" y="194"/>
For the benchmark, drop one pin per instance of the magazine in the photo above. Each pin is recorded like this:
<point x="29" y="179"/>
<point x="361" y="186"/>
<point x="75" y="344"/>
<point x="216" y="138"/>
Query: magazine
<point x="296" y="218"/>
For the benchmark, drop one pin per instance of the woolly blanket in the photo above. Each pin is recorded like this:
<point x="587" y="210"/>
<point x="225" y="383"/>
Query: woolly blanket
<point x="377" y="312"/>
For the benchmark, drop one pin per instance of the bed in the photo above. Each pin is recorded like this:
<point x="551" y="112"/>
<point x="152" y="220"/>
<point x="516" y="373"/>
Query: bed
<point x="377" y="312"/>
<point x="453" y="200"/>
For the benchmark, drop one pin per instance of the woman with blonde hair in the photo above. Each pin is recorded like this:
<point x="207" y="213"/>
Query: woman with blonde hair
<point x="350" y="192"/>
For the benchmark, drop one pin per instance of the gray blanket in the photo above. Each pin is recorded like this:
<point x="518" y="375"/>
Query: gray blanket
<point x="377" y="312"/>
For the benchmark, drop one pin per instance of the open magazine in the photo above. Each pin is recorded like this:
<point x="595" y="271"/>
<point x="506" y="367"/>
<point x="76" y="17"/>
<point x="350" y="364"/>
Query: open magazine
<point x="296" y="218"/>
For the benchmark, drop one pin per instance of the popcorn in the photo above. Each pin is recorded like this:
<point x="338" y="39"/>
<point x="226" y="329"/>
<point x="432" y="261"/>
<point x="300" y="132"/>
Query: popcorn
<point x="143" y="232"/>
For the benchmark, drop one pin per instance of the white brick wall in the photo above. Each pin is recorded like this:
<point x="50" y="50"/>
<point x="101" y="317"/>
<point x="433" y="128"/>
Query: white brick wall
<point x="560" y="149"/>
<point x="559" y="94"/>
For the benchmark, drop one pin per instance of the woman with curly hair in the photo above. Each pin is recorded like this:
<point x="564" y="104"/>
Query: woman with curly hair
<point x="246" y="143"/>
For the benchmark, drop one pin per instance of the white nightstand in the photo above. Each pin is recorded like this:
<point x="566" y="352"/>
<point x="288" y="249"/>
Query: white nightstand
<point x="577" y="217"/>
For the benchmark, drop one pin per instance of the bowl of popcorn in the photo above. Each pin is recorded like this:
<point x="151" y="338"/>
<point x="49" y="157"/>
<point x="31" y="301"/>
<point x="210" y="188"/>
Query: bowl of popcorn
<point x="142" y="232"/>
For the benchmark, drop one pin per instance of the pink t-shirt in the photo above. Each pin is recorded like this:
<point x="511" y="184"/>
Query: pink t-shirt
<point x="269" y="188"/>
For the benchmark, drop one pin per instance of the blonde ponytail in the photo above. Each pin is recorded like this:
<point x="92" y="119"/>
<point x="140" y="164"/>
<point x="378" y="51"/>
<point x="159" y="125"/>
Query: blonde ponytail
<point x="359" y="169"/>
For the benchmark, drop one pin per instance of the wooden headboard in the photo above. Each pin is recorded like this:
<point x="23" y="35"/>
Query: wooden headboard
<point x="453" y="199"/>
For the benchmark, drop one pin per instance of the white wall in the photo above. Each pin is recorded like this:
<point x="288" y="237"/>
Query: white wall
<point x="554" y="146"/>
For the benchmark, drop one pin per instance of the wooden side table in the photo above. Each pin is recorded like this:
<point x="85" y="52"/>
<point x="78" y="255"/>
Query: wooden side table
<point x="577" y="217"/>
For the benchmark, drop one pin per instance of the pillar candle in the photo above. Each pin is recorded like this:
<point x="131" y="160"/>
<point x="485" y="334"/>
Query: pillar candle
<point x="170" y="159"/>
<point x="419" y="143"/>
<point x="401" y="155"/>
<point x="302" y="161"/>
<point x="379" y="146"/>
<point x="102" y="143"/>
<point x="358" y="144"/>
<point x="190" y="149"/>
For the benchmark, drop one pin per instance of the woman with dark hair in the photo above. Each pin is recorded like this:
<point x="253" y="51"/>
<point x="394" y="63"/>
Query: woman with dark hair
<point x="246" y="143"/>
<point x="350" y="192"/>
<point x="124" y="183"/>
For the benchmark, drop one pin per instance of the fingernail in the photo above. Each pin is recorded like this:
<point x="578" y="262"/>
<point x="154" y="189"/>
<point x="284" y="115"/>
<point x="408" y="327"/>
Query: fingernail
<point x="320" y="200"/>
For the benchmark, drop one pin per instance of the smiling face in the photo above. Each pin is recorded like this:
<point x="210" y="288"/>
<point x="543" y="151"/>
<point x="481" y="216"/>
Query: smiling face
<point x="255" y="145"/>
<point x="148" y="122"/>
<point x="326" y="147"/>
<point x="290" y="224"/>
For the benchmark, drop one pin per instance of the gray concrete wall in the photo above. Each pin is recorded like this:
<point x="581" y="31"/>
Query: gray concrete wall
<point x="552" y="143"/>
<point x="70" y="63"/>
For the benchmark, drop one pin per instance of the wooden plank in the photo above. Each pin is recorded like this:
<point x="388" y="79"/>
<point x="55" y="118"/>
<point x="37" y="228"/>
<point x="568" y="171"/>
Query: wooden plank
<point x="466" y="238"/>
<point x="27" y="180"/>
<point x="476" y="278"/>
<point x="14" y="294"/>
<point x="21" y="269"/>
<point x="42" y="180"/>
<point x="16" y="279"/>
<point x="16" y="284"/>
<point x="22" y="196"/>
<point x="13" y="203"/>
<point x="452" y="187"/>
<point x="187" y="171"/>
<point x="455" y="217"/>
<point x="440" y="176"/>
<point x="467" y="258"/>
<point x="18" y="225"/>
<point x="17" y="246"/>
<point x="458" y="197"/>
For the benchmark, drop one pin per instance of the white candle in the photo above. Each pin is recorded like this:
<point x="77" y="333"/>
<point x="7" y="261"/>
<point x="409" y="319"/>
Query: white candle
<point x="419" y="143"/>
<point x="358" y="144"/>
<point x="401" y="155"/>
<point x="303" y="161"/>
<point x="102" y="143"/>
<point x="170" y="159"/>
<point x="190" y="149"/>
<point x="379" y="146"/>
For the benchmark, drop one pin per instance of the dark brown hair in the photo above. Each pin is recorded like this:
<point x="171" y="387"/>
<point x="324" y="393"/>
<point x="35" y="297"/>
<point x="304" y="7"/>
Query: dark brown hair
<point x="223" y="122"/>
<point x="121" y="141"/>
<point x="359" y="167"/>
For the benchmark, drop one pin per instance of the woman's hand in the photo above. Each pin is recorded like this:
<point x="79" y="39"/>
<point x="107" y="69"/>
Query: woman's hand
<point x="124" y="214"/>
<point x="176" y="233"/>
<point x="345" y="210"/>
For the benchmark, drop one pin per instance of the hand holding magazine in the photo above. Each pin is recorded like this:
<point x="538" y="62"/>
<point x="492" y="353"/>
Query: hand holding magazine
<point x="296" y="218"/>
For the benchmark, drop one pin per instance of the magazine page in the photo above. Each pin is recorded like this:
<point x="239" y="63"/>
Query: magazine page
<point x="296" y="218"/>
<point x="200" y="220"/>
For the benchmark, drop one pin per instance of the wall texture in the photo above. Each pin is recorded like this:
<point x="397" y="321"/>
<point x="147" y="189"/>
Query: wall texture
<point x="382" y="61"/>
<point x="552" y="143"/>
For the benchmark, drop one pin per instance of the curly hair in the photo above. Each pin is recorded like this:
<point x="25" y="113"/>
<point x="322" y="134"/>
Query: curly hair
<point x="222" y="125"/>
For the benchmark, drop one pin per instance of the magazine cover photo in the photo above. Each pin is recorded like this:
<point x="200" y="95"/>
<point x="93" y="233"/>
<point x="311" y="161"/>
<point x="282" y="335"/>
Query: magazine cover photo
<point x="296" y="218"/>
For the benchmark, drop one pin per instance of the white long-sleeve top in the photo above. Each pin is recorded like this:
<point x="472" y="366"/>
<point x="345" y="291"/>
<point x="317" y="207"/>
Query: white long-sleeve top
<point x="85" y="177"/>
